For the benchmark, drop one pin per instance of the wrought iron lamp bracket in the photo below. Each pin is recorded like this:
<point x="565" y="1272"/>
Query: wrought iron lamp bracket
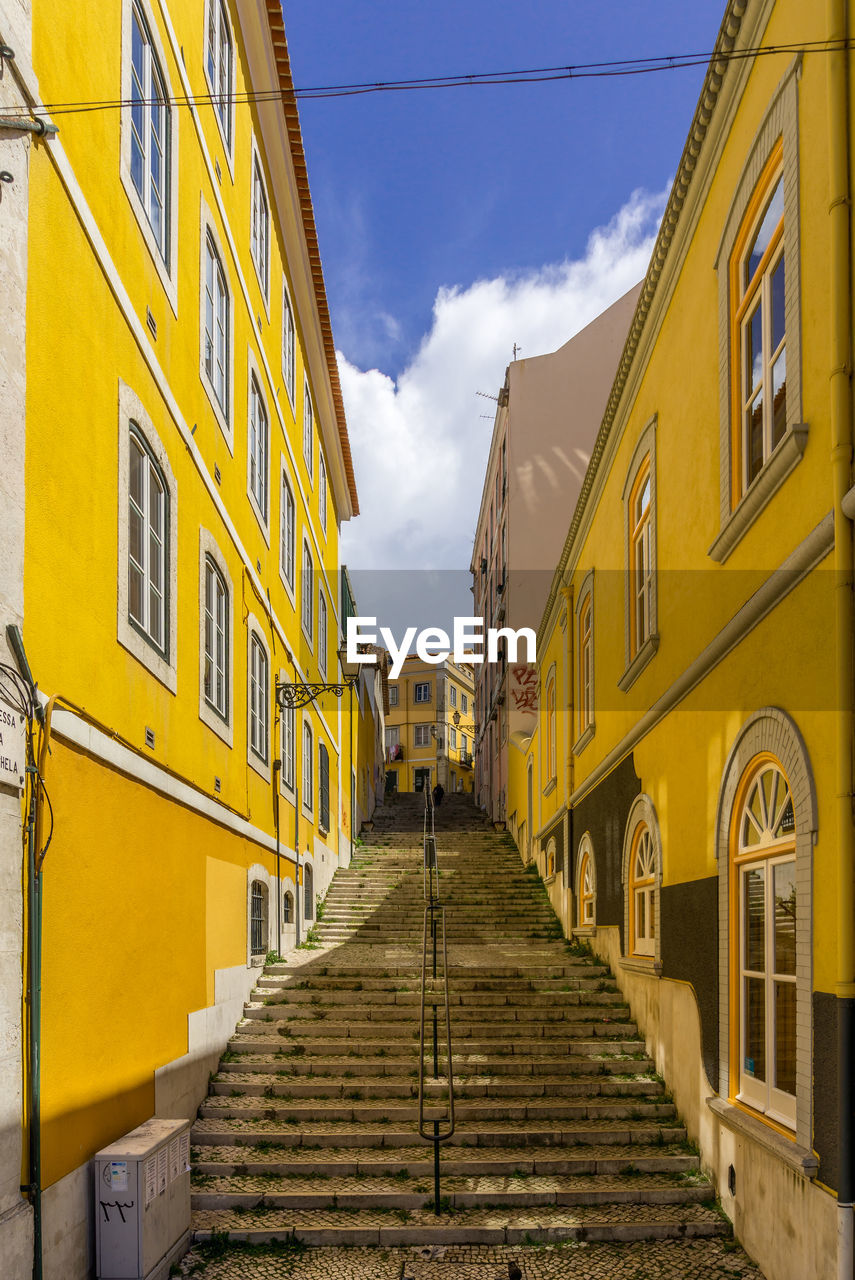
<point x="297" y="694"/>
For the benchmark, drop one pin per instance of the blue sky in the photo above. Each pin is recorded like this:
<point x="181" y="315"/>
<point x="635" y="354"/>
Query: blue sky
<point x="454" y="223"/>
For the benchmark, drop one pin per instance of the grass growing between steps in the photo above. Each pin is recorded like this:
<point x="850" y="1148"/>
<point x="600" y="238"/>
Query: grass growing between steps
<point x="219" y="1246"/>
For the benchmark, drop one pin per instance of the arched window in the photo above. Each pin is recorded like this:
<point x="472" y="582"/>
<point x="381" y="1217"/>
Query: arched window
<point x="258" y="695"/>
<point x="288" y="908"/>
<point x="308" y="796"/>
<point x="642" y="874"/>
<point x="148" y="543"/>
<point x="308" y="893"/>
<point x="763" y="897"/>
<point x="586" y="885"/>
<point x="551" y="760"/>
<point x="258" y="923"/>
<point x="550" y="857"/>
<point x="216" y="633"/>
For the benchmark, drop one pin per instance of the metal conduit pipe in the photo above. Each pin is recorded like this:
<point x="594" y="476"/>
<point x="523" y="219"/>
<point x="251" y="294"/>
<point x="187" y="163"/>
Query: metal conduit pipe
<point x="839" y="212"/>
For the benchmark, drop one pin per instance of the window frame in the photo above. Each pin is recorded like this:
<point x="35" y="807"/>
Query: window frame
<point x="151" y="472"/>
<point x="778" y="129"/>
<point x="307" y="776"/>
<point x="550" y="696"/>
<point x="323" y="788"/>
<point x="393" y="695"/>
<point x="584" y="664"/>
<point x="287" y="743"/>
<point x="259" y="224"/>
<point x="257" y="646"/>
<point x="211" y="248"/>
<point x="308" y="432"/>
<point x="421" y="684"/>
<point x="218" y="9"/>
<point x="164" y="253"/>
<point x="640" y="534"/>
<point x="289" y="366"/>
<point x="162" y="663"/>
<point x="258" y="450"/>
<point x="586" y="885"/>
<point x="321" y="653"/>
<point x="287" y="531"/>
<point x="222" y="726"/>
<point x="307" y="595"/>
<point x="322" y="490"/>
<point x="642" y="952"/>
<point x="421" y="731"/>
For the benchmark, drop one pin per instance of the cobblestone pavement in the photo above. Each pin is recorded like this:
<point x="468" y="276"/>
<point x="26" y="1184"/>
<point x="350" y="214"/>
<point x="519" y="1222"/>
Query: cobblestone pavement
<point x="650" y="1260"/>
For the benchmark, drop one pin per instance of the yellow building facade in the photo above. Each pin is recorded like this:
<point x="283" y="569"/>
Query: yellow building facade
<point x="687" y="788"/>
<point x="187" y="471"/>
<point x="430" y="727"/>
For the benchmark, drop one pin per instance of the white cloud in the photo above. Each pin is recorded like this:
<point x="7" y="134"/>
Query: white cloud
<point x="420" y="444"/>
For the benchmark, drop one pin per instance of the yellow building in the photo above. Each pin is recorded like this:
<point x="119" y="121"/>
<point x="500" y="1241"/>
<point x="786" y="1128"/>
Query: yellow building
<point x="686" y="788"/>
<point x="187" y="472"/>
<point x="430" y="726"/>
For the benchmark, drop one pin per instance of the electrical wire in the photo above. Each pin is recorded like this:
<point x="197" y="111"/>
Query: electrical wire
<point x="536" y="75"/>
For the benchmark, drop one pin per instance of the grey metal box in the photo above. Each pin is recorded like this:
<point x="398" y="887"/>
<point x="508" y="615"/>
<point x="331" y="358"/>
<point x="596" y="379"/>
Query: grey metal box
<point x="142" y="1201"/>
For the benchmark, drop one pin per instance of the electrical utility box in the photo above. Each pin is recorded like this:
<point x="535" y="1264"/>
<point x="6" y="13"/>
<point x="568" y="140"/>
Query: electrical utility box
<point x="142" y="1201"/>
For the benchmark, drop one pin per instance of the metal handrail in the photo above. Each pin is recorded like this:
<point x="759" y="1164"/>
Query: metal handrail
<point x="435" y="917"/>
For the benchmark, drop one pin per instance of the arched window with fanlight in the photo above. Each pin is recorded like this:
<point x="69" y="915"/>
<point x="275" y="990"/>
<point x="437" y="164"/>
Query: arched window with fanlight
<point x="642" y="878"/>
<point x="586" y="885"/>
<point x="763" y="900"/>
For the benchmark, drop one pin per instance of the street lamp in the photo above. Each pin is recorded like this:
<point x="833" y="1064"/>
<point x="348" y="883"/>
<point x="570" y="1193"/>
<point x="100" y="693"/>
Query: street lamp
<point x="291" y="696"/>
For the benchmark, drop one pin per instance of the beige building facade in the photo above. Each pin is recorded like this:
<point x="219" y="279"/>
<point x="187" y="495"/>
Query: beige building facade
<point x="430" y="727"/>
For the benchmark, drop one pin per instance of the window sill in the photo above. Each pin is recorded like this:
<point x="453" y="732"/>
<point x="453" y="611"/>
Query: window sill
<point x="259" y="766"/>
<point x="641" y="964"/>
<point x="550" y="786"/>
<point x="219" y="413"/>
<point x="799" y="1159"/>
<point x="582" y="741"/>
<point x="260" y="517"/>
<point x="785" y="457"/>
<point x="222" y="728"/>
<point x="584" y="931"/>
<point x="645" y="654"/>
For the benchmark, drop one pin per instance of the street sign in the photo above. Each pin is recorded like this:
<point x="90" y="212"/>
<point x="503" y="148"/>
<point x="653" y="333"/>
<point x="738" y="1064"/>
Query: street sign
<point x="13" y="756"/>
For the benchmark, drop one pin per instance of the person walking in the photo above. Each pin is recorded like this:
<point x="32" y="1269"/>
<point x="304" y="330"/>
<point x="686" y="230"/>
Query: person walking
<point x="438" y="793"/>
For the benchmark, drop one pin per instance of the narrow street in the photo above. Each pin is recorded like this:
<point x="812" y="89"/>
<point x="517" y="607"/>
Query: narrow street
<point x="568" y="1155"/>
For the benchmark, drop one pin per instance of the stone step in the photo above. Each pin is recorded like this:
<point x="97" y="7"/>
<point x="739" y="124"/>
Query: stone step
<point x="249" y="1075"/>
<point x="319" y="1227"/>
<point x="375" y="1111"/>
<point x="594" y="1057"/>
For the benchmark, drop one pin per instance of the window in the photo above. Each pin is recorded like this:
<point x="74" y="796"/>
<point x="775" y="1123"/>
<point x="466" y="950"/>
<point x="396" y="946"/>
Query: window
<point x="260" y="225"/>
<point x="551" y="752"/>
<point x="393" y="695"/>
<point x="422" y="692"/>
<point x="452" y="695"/>
<point x="149" y="132"/>
<point x="452" y="738"/>
<point x="308" y="779"/>
<point x="287" y="533"/>
<point x="259" y="895"/>
<point x="421" y="735"/>
<point x="148" y="540"/>
<point x="761" y="430"/>
<point x="639" y="497"/>
<point x="642" y="890"/>
<point x="216" y="338"/>
<point x="308" y="429"/>
<point x="586" y="893"/>
<point x="759" y="331"/>
<point x="216" y="640"/>
<point x="258" y="686"/>
<point x="218" y="67"/>
<point x="258" y="446"/>
<point x="289" y="343"/>
<point x="308" y="615"/>
<point x="322" y="490"/>
<point x="323" y="788"/>
<point x="288" y="908"/>
<point x="287" y="731"/>
<point x="322" y="634"/>
<point x="464" y="747"/>
<point x="308" y="892"/>
<point x="640" y="562"/>
<point x="766" y="908"/>
<point x="464" y="704"/>
<point x="585" y="662"/>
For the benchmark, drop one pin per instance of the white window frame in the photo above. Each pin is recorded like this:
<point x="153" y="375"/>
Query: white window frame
<point x="223" y="727"/>
<point x="258" y="449"/>
<point x="287" y="531"/>
<point x="452" y="695"/>
<point x="421" y="731"/>
<point x="393" y="695"/>
<point x="640" y="648"/>
<point x="585" y="857"/>
<point x="421" y="684"/>
<point x="221" y="76"/>
<point x="223" y="412"/>
<point x="255" y="632"/>
<point x="307" y="592"/>
<point x="307" y="774"/>
<point x="259" y="225"/>
<point x="452" y="738"/>
<point x="289" y="346"/>
<point x="322" y="489"/>
<point x="583" y="675"/>
<point x="643" y="952"/>
<point x="322" y="632"/>
<point x="163" y="665"/>
<point x="308" y="432"/>
<point x="464" y="704"/>
<point x="164" y="253"/>
<point x="287" y="745"/>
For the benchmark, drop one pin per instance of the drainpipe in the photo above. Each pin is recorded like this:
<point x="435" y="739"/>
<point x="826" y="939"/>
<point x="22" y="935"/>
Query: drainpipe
<point x="839" y="211"/>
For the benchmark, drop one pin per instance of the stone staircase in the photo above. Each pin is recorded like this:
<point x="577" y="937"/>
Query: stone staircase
<point x="564" y="1131"/>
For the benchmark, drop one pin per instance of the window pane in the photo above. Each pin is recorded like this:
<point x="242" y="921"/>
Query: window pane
<point x="784" y="882"/>
<point x="754" y="441"/>
<point x="754" y="350"/>
<point x="135" y="593"/>
<point x="779" y="397"/>
<point x="754" y="909"/>
<point x="778" y="305"/>
<point x="755" y="1028"/>
<point x="640" y="921"/>
<point x="785" y="1036"/>
<point x="773" y="215"/>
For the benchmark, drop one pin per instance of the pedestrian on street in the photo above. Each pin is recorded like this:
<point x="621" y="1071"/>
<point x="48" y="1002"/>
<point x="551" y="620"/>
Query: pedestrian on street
<point x="438" y="793"/>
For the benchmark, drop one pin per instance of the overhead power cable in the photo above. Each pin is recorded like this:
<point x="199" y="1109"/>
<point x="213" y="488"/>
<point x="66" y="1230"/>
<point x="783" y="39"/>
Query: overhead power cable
<point x="621" y="67"/>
